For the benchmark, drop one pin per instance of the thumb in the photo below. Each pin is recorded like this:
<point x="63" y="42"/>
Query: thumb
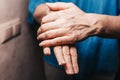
<point x="59" y="6"/>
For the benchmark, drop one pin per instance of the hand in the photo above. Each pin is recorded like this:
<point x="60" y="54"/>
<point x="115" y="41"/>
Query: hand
<point x="66" y="56"/>
<point x="67" y="24"/>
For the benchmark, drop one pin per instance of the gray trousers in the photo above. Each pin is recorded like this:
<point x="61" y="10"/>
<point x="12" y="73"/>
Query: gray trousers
<point x="52" y="73"/>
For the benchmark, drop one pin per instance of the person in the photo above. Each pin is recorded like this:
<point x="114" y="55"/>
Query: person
<point x="68" y="24"/>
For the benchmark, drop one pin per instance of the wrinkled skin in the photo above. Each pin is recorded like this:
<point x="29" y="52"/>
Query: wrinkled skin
<point x="66" y="55"/>
<point x="67" y="25"/>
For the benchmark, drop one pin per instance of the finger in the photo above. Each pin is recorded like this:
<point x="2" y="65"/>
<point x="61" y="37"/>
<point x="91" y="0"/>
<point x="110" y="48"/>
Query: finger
<point x="51" y="25"/>
<point x="59" y="5"/>
<point x="59" y="55"/>
<point x="74" y="58"/>
<point x="40" y="12"/>
<point x="56" y="15"/>
<point x="57" y="41"/>
<point x="68" y="66"/>
<point x="46" y="50"/>
<point x="51" y="34"/>
<point x="51" y="17"/>
<point x="44" y="27"/>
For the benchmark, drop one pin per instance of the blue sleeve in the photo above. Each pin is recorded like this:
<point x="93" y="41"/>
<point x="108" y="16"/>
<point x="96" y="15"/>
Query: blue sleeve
<point x="119" y="7"/>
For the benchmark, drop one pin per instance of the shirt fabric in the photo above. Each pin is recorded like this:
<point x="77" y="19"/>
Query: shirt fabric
<point x="95" y="54"/>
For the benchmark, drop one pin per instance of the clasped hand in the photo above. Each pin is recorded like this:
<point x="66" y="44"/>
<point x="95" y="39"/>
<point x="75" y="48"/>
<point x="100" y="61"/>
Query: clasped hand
<point x="66" y="24"/>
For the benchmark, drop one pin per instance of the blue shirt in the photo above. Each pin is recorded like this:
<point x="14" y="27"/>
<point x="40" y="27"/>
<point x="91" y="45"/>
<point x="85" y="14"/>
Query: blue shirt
<point x="96" y="55"/>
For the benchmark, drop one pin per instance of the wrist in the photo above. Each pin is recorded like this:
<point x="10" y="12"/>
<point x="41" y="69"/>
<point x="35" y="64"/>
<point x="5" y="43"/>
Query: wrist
<point x="97" y="23"/>
<point x="100" y="24"/>
<point x="107" y="29"/>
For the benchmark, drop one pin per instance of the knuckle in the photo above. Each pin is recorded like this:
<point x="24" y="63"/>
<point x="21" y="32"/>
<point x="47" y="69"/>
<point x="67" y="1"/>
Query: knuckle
<point x="75" y="66"/>
<point x="74" y="55"/>
<point x="43" y="36"/>
<point x="66" y="47"/>
<point x="45" y="18"/>
<point x="69" y="65"/>
<point x="76" y="37"/>
<point x="71" y="4"/>
<point x="66" y="53"/>
<point x="73" y="37"/>
<point x="70" y="40"/>
<point x="46" y="35"/>
<point x="59" y="41"/>
<point x="58" y="14"/>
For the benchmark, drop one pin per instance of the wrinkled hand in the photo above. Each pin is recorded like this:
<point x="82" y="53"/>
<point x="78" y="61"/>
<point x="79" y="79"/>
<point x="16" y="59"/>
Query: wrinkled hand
<point x="66" y="57"/>
<point x="67" y="24"/>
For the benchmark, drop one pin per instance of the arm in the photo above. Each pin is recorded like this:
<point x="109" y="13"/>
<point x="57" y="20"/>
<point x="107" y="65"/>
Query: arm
<point x="111" y="27"/>
<point x="77" y="25"/>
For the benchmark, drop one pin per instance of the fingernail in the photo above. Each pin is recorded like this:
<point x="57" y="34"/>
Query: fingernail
<point x="70" y="72"/>
<point x="62" y="63"/>
<point x="40" y="45"/>
<point x="76" y="71"/>
<point x="47" y="53"/>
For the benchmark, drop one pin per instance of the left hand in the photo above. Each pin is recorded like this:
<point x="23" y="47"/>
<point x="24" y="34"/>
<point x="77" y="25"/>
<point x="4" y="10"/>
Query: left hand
<point x="66" y="56"/>
<point x="67" y="24"/>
